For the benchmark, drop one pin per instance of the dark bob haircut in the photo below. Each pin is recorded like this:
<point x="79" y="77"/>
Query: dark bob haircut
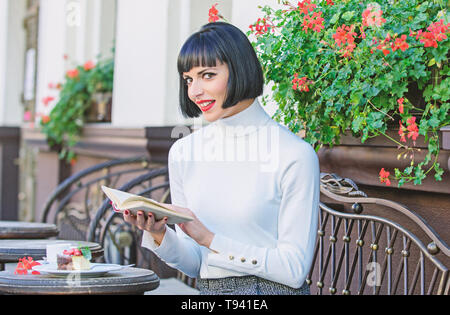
<point x="227" y="44"/>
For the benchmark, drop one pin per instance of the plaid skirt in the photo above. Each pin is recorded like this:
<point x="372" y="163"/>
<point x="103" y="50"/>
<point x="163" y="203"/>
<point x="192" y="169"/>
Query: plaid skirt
<point x="247" y="285"/>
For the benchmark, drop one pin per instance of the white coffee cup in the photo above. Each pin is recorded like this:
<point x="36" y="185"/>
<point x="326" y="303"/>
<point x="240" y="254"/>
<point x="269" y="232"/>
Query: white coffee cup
<point x="52" y="250"/>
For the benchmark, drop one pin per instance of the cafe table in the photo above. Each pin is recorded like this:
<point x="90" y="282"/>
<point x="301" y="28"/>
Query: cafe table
<point x="12" y="250"/>
<point x="126" y="281"/>
<point x="27" y="230"/>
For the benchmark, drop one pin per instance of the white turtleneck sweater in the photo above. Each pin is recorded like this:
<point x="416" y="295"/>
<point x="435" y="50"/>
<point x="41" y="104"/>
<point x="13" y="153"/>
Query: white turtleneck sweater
<point x="255" y="185"/>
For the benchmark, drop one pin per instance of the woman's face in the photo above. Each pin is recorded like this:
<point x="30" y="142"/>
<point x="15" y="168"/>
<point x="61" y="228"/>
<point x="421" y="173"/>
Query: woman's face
<point x="207" y="88"/>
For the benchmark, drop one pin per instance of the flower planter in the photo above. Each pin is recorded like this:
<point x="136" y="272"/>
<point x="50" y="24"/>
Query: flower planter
<point x="100" y="110"/>
<point x="365" y="67"/>
<point x="362" y="163"/>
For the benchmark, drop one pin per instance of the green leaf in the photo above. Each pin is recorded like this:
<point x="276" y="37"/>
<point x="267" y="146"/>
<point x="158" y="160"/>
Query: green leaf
<point x="433" y="122"/>
<point x="408" y="170"/>
<point x="86" y="252"/>
<point x="348" y="15"/>
<point x="423" y="7"/>
<point x="419" y="18"/>
<point x="358" y="123"/>
<point x="335" y="18"/>
<point x="439" y="171"/>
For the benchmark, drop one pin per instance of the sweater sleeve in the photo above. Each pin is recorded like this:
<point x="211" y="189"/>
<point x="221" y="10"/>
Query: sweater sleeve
<point x="290" y="261"/>
<point x="177" y="249"/>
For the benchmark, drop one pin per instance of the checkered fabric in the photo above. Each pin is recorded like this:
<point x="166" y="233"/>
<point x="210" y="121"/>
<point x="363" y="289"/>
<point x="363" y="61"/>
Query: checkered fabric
<point x="247" y="285"/>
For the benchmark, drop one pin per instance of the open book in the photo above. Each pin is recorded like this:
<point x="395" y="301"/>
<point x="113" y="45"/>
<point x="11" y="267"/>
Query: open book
<point x="125" y="201"/>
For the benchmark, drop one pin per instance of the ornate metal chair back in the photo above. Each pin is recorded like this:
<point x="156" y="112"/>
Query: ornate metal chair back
<point x="360" y="253"/>
<point x="72" y="205"/>
<point x="121" y="241"/>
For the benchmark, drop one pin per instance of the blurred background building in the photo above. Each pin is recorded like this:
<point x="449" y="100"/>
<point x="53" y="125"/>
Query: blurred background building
<point x="40" y="40"/>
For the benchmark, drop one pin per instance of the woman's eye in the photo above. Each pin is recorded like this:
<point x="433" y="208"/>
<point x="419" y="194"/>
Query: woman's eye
<point x="208" y="75"/>
<point x="187" y="81"/>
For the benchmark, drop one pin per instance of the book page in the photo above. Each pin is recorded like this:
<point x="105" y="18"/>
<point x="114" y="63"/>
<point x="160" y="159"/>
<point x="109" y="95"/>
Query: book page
<point x="153" y="203"/>
<point x="126" y="201"/>
<point x="116" y="196"/>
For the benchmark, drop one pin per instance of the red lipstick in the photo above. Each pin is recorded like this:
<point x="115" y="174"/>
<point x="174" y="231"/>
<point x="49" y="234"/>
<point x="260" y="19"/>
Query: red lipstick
<point x="207" y="107"/>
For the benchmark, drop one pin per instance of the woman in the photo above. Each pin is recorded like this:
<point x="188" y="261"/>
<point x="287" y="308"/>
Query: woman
<point x="251" y="185"/>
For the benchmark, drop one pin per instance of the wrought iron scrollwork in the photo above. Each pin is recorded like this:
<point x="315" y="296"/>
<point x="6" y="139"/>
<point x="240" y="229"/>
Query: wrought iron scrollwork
<point x="339" y="185"/>
<point x="72" y="205"/>
<point x="122" y="242"/>
<point x="367" y="254"/>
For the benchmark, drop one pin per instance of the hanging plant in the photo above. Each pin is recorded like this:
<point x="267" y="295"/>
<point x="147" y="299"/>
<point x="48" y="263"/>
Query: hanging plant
<point x="64" y="125"/>
<point x="354" y="66"/>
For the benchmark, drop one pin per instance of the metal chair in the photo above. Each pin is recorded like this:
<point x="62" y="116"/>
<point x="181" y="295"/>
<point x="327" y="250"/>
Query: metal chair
<point x="121" y="241"/>
<point x="74" y="202"/>
<point x="360" y="254"/>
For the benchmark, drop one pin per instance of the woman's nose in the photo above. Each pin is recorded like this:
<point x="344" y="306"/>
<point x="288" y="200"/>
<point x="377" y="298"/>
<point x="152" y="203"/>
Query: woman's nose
<point x="196" y="89"/>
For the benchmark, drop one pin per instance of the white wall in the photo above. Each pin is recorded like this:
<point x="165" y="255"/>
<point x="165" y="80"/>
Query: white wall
<point x="194" y="14"/>
<point x="148" y="39"/>
<point x="140" y="63"/>
<point x="107" y="27"/>
<point x="148" y="34"/>
<point x="3" y="56"/>
<point x="12" y="45"/>
<point x="78" y="29"/>
<point x="51" y="50"/>
<point x="90" y="29"/>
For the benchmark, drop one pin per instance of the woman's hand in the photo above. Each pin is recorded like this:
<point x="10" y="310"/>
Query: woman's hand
<point x="149" y="224"/>
<point x="195" y="229"/>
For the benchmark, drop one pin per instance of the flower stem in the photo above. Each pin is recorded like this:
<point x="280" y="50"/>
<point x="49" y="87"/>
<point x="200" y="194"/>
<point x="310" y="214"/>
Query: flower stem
<point x="392" y="118"/>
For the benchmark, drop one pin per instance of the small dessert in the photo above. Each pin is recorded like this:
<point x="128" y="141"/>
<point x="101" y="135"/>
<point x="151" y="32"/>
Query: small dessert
<point x="74" y="259"/>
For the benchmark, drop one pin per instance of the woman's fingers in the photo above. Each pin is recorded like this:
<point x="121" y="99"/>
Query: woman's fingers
<point x="129" y="217"/>
<point x="159" y="225"/>
<point x="140" y="220"/>
<point x="150" y="222"/>
<point x="145" y="222"/>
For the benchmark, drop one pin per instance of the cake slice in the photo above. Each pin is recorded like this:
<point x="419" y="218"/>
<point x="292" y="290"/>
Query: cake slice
<point x="74" y="259"/>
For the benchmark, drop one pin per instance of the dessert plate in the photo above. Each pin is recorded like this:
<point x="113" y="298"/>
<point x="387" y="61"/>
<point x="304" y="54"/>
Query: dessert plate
<point x="96" y="270"/>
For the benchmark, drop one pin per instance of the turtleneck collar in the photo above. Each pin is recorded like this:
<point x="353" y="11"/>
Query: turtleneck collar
<point x="244" y="122"/>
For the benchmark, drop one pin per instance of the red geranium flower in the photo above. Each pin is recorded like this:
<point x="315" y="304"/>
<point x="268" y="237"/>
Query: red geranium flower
<point x="72" y="74"/>
<point x="314" y="22"/>
<point x="306" y="6"/>
<point x="400" y="105"/>
<point x="89" y="65"/>
<point x="260" y="27"/>
<point x="435" y="33"/>
<point x="345" y="38"/>
<point x="27" y="115"/>
<point x="47" y="100"/>
<point x="300" y="84"/>
<point x="412" y="128"/>
<point x="213" y="14"/>
<point x="400" y="43"/>
<point x="401" y="132"/>
<point x="45" y="119"/>
<point x="26" y="264"/>
<point x="372" y="17"/>
<point x="384" y="177"/>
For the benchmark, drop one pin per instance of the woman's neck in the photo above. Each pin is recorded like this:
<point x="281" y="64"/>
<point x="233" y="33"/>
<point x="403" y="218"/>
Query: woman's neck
<point x="239" y="107"/>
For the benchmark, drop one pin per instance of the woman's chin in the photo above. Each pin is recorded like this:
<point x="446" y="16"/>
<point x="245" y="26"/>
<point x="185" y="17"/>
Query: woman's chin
<point x="210" y="118"/>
